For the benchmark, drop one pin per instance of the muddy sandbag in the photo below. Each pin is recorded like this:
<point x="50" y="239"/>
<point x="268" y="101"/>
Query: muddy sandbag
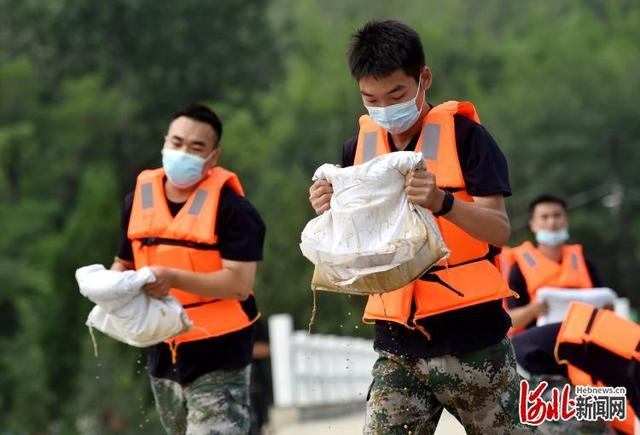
<point x="372" y="240"/>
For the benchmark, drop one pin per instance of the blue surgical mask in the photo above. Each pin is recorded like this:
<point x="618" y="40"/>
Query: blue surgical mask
<point x="397" y="118"/>
<point x="552" y="238"/>
<point x="183" y="169"/>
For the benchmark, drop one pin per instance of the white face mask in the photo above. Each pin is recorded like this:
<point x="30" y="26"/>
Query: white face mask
<point x="552" y="238"/>
<point x="397" y="118"/>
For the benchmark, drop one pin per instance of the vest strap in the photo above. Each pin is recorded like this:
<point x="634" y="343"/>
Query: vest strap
<point x="430" y="277"/>
<point x="197" y="304"/>
<point x="151" y="241"/>
<point x="490" y="256"/>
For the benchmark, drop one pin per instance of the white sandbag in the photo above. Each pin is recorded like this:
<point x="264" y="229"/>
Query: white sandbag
<point x="124" y="311"/>
<point x="372" y="239"/>
<point x="559" y="299"/>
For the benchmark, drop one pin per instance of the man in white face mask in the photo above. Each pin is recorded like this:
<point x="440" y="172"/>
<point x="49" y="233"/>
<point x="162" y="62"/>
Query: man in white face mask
<point x="551" y="262"/>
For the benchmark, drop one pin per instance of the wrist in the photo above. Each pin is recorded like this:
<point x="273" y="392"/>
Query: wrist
<point x="436" y="202"/>
<point x="445" y="203"/>
<point x="173" y="276"/>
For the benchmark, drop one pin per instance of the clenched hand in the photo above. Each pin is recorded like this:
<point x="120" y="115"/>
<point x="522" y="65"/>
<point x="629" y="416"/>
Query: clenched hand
<point x="320" y="196"/>
<point x="163" y="283"/>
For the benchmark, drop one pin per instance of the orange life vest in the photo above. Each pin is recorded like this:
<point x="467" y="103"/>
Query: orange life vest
<point x="188" y="242"/>
<point x="586" y="326"/>
<point x="507" y="260"/>
<point x="539" y="270"/>
<point x="469" y="276"/>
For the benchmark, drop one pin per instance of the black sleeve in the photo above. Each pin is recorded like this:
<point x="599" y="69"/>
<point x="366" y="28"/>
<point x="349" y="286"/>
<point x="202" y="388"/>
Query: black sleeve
<point x="484" y="166"/>
<point x="349" y="152"/>
<point x="240" y="228"/>
<point x="125" y="251"/>
<point x="596" y="280"/>
<point x="518" y="285"/>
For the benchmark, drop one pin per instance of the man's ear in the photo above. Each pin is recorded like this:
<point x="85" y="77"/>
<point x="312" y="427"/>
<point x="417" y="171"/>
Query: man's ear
<point x="215" y="157"/>
<point x="530" y="224"/>
<point x="425" y="74"/>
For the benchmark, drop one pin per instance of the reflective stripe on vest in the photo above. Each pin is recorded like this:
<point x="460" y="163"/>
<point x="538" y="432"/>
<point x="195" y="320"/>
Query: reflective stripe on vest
<point x="455" y="284"/>
<point x="585" y="326"/>
<point x="188" y="242"/>
<point x="540" y="271"/>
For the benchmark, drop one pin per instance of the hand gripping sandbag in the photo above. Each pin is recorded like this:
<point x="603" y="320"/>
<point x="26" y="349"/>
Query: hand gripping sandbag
<point x="124" y="311"/>
<point x="372" y="240"/>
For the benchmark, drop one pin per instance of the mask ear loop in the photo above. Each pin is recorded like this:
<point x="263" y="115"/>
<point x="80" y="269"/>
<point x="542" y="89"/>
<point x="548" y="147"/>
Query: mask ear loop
<point x="424" y="97"/>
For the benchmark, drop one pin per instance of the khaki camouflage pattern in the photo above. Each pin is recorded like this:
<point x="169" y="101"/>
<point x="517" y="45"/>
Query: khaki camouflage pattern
<point x="481" y="389"/>
<point x="216" y="403"/>
<point x="572" y="426"/>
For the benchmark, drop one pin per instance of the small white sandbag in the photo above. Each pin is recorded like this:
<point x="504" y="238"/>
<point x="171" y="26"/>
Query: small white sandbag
<point x="124" y="311"/>
<point x="559" y="299"/>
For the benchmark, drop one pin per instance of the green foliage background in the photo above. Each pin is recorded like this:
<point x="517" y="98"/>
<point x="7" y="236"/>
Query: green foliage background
<point x="87" y="89"/>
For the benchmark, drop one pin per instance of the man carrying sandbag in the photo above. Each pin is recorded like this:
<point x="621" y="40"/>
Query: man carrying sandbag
<point x="441" y="340"/>
<point x="550" y="263"/>
<point x="190" y="222"/>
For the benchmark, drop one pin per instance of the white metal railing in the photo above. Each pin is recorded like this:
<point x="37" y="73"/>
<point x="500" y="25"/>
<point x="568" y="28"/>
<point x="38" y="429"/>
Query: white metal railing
<point x="314" y="369"/>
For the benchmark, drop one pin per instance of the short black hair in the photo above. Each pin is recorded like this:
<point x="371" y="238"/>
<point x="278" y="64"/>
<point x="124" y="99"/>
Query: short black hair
<point x="546" y="198"/>
<point x="381" y="47"/>
<point x="202" y="113"/>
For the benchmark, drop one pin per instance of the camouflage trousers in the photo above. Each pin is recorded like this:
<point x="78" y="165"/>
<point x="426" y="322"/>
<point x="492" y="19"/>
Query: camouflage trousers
<point x="481" y="389"/>
<point x="215" y="403"/>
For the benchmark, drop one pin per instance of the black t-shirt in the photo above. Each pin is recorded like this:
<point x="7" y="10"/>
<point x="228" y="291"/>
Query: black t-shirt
<point x="518" y="284"/>
<point x="240" y="231"/>
<point x="485" y="172"/>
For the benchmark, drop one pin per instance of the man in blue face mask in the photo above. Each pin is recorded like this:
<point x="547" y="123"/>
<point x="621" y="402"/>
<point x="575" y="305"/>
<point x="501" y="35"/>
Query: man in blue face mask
<point x="191" y="224"/>
<point x="551" y="262"/>
<point x="442" y="340"/>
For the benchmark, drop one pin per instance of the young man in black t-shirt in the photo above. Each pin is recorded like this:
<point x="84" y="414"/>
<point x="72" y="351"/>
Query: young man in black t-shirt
<point x="467" y="364"/>
<point x="201" y="386"/>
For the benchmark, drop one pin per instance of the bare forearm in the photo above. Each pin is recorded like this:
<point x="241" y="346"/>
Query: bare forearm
<point x="483" y="223"/>
<point x="522" y="316"/>
<point x="223" y="284"/>
<point x="485" y="218"/>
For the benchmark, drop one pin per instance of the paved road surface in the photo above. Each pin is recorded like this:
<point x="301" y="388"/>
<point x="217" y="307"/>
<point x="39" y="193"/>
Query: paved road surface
<point x="350" y="425"/>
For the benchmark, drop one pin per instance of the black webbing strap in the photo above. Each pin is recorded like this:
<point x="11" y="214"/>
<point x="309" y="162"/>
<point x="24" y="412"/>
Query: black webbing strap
<point x="430" y="277"/>
<point x="198" y="304"/>
<point x="151" y="241"/>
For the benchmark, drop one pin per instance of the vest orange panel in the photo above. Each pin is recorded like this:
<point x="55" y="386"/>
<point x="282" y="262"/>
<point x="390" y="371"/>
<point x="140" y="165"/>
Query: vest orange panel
<point x="185" y="242"/>
<point x="540" y="271"/>
<point x="507" y="260"/>
<point x="454" y="284"/>
<point x="584" y="326"/>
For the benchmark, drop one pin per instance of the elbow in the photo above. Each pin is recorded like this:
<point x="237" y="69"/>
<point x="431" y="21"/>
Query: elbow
<point x="503" y="236"/>
<point x="242" y="292"/>
<point x="243" y="295"/>
<point x="240" y="283"/>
